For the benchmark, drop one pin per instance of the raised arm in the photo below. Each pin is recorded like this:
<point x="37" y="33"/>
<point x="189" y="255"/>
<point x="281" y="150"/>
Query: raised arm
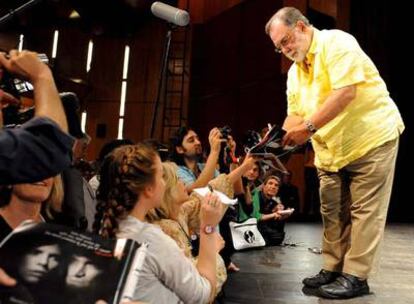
<point x="27" y="65"/>
<point x="207" y="174"/>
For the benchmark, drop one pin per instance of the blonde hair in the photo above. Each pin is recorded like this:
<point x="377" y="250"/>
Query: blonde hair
<point x="166" y="209"/>
<point x="55" y="199"/>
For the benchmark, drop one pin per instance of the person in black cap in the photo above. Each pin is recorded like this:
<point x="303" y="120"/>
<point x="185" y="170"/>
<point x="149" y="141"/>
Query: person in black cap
<point x="78" y="208"/>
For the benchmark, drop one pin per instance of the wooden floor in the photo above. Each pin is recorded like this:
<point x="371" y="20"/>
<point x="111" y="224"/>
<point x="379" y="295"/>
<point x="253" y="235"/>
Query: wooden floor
<point x="273" y="275"/>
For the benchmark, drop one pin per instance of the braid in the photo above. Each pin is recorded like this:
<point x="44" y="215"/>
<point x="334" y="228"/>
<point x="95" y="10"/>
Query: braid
<point x="123" y="176"/>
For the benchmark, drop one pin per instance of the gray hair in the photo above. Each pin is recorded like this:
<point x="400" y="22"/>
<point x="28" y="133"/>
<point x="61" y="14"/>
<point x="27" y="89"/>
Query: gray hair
<point x="289" y="16"/>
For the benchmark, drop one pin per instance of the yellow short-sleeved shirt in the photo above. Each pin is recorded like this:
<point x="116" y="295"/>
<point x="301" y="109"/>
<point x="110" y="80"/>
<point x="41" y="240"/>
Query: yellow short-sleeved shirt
<point x="336" y="60"/>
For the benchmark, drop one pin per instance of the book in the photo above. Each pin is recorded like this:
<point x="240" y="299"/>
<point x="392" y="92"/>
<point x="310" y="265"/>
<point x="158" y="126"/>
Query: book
<point x="56" y="264"/>
<point x="271" y="149"/>
<point x="272" y="143"/>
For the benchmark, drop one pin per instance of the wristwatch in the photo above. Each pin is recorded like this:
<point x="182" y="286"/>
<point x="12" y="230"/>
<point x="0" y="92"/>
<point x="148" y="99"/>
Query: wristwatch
<point x="208" y="229"/>
<point x="310" y="126"/>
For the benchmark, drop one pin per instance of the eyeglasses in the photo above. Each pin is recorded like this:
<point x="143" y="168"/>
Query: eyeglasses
<point x="284" y="42"/>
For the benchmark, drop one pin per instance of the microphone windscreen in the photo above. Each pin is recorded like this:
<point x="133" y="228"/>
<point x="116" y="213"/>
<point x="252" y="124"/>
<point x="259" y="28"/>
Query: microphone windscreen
<point x="171" y="14"/>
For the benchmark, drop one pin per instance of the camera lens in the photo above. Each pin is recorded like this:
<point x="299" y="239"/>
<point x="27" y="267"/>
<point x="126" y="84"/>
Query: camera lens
<point x="225" y="132"/>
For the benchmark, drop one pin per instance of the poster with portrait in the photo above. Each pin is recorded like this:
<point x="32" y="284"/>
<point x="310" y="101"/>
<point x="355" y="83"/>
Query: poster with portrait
<point x="54" y="264"/>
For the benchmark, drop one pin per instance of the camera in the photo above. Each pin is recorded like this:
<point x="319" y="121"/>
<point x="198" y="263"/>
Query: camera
<point x="225" y="132"/>
<point x="13" y="114"/>
<point x="16" y="86"/>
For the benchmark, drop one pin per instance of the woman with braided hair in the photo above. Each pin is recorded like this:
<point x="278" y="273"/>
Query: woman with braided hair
<point x="178" y="214"/>
<point x="131" y="184"/>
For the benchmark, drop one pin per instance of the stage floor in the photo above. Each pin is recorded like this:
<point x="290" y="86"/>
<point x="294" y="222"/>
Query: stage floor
<point x="273" y="275"/>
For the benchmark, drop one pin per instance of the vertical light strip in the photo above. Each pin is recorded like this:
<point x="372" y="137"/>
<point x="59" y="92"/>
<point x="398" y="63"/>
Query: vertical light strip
<point x="21" y="39"/>
<point x="89" y="58"/>
<point x="120" y="128"/>
<point x="55" y="43"/>
<point x="123" y="96"/>
<point x="123" y="93"/>
<point x="126" y="63"/>
<point x="83" y="121"/>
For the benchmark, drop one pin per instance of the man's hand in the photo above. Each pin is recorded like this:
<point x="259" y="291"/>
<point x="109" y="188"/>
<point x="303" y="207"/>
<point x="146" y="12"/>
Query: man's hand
<point x="297" y="135"/>
<point x="249" y="161"/>
<point x="5" y="280"/>
<point x="215" y="140"/>
<point x="25" y="64"/>
<point x="279" y="207"/>
<point x="281" y="217"/>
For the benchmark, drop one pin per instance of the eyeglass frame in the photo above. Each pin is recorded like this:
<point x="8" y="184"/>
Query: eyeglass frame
<point x="285" y="40"/>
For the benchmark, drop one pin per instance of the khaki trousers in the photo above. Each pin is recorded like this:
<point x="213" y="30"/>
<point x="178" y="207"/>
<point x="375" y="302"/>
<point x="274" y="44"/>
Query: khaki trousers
<point x="354" y="204"/>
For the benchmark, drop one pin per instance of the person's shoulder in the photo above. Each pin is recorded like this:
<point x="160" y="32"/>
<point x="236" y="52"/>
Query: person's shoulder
<point x="257" y="193"/>
<point x="154" y="235"/>
<point x="144" y="233"/>
<point x="337" y="39"/>
<point x="167" y="225"/>
<point x="186" y="175"/>
<point x="334" y="34"/>
<point x="183" y="170"/>
<point x="161" y="246"/>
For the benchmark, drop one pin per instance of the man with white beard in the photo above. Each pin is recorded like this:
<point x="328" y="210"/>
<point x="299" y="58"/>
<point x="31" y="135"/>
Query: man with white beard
<point x="337" y="98"/>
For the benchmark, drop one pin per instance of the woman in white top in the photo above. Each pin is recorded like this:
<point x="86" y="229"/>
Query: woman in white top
<point x="131" y="183"/>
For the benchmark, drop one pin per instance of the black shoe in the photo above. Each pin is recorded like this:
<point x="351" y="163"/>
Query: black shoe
<point x="322" y="278"/>
<point x="346" y="286"/>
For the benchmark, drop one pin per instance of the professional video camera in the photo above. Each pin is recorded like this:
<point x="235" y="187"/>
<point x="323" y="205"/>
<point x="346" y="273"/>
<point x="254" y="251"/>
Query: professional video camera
<point x="16" y="114"/>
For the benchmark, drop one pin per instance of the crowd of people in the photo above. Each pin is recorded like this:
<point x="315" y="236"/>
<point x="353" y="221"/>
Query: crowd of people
<point x="137" y="194"/>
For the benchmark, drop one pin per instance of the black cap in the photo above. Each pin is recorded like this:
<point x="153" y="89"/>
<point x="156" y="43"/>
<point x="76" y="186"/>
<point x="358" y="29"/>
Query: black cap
<point x="71" y="106"/>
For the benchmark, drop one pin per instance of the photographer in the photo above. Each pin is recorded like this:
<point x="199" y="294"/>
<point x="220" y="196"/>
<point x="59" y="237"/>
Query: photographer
<point x="264" y="204"/>
<point x="187" y="152"/>
<point x="39" y="148"/>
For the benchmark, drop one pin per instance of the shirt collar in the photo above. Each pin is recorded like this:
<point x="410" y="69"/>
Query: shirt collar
<point x="315" y="44"/>
<point x="313" y="49"/>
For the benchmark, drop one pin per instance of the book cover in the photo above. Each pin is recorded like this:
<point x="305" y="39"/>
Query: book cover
<point x="55" y="264"/>
<point x="271" y="149"/>
<point x="271" y="142"/>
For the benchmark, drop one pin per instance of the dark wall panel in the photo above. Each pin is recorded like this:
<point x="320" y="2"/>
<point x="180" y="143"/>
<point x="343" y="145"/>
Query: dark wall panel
<point x="235" y="69"/>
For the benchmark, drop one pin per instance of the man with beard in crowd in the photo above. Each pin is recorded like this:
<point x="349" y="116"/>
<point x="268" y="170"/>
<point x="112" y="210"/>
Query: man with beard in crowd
<point x="186" y="152"/>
